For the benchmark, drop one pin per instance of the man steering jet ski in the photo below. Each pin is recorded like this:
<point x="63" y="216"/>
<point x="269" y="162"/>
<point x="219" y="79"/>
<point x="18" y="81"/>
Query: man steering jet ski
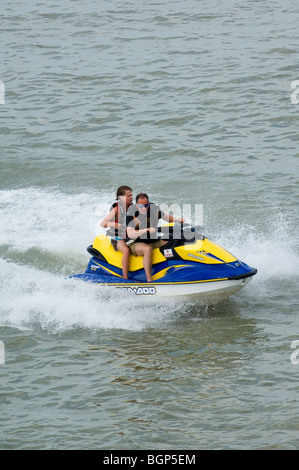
<point x="142" y="227"/>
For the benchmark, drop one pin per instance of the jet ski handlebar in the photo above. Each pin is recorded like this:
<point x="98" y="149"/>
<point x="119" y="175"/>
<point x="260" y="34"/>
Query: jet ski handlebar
<point x="181" y="231"/>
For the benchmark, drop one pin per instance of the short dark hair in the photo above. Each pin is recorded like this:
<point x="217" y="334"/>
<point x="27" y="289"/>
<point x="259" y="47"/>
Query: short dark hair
<point x="142" y="196"/>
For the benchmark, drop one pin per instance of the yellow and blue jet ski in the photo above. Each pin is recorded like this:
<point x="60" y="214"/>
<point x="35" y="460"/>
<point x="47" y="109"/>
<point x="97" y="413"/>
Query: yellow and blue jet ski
<point x="187" y="265"/>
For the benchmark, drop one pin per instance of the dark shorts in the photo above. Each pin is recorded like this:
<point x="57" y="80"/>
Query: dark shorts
<point x="155" y="244"/>
<point x="114" y="243"/>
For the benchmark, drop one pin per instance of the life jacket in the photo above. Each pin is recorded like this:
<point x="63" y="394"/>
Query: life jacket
<point x="150" y="219"/>
<point x="120" y="218"/>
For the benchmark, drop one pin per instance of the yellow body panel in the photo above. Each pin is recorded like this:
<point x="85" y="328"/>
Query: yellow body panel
<point x="103" y="244"/>
<point x="200" y="251"/>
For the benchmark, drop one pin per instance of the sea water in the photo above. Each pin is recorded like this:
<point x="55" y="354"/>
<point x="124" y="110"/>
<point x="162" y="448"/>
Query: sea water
<point x="194" y="103"/>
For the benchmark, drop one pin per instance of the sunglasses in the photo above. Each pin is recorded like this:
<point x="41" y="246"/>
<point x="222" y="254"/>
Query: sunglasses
<point x="143" y="205"/>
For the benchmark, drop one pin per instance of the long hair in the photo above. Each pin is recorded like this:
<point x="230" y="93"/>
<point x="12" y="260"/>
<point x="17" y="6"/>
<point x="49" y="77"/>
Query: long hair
<point x="122" y="191"/>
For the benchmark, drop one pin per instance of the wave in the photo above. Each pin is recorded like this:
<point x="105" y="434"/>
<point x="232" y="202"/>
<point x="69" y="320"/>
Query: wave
<point x="44" y="238"/>
<point x="272" y="249"/>
<point x="35" y="299"/>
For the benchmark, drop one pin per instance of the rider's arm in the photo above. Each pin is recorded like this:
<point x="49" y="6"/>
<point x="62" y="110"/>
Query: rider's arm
<point x="132" y="233"/>
<point x="109" y="220"/>
<point x="171" y="218"/>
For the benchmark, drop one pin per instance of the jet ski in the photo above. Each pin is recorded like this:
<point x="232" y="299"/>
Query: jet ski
<point x="189" y="264"/>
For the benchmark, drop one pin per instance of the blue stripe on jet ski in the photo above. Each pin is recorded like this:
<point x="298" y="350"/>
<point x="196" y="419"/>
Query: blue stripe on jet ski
<point x="188" y="272"/>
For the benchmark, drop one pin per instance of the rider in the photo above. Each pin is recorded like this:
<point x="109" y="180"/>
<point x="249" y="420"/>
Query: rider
<point x="142" y="224"/>
<point x="116" y="222"/>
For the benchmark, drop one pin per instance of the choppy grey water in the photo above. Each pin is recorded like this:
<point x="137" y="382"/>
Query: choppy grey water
<point x="190" y="101"/>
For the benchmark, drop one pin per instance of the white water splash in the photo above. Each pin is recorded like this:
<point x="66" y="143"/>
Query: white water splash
<point x="63" y="225"/>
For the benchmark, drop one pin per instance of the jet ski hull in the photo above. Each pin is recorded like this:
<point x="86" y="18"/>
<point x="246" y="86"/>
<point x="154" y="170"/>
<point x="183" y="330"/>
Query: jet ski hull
<point x="181" y="268"/>
<point x="174" y="280"/>
<point x="216" y="289"/>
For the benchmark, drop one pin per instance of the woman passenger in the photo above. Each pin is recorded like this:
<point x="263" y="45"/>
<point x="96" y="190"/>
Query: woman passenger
<point x="116" y="222"/>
